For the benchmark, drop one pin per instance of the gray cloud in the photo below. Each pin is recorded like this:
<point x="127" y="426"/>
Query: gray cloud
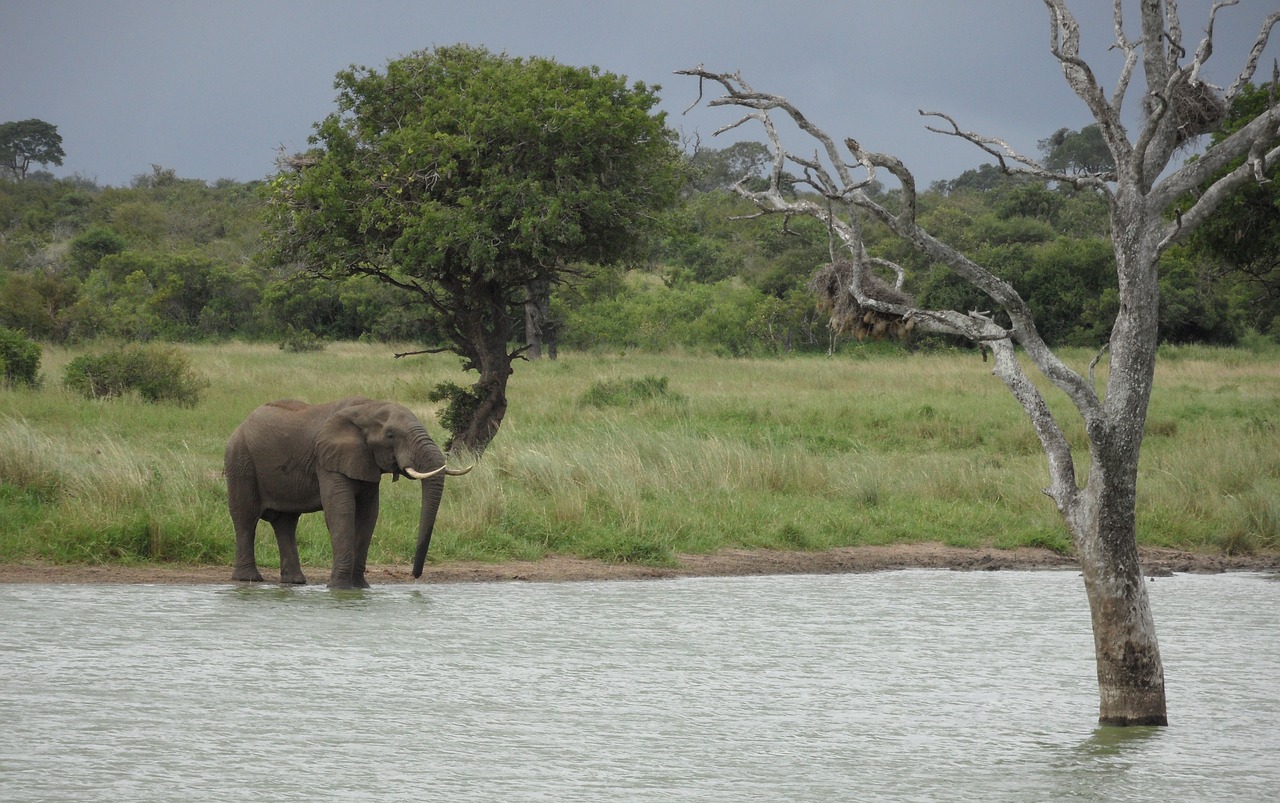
<point x="211" y="90"/>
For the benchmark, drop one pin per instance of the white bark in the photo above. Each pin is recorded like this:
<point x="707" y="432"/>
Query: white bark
<point x="1100" y="515"/>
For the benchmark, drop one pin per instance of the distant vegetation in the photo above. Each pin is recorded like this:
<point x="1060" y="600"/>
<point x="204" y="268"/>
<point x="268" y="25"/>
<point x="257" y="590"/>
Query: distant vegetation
<point x="180" y="260"/>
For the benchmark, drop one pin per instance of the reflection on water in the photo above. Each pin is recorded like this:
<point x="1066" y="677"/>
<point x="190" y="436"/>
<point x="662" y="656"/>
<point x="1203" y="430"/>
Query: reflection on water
<point x="916" y="685"/>
<point x="1109" y="741"/>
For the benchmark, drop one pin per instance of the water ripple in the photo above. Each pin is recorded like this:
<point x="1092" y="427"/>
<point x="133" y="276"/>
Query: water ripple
<point x="915" y="685"/>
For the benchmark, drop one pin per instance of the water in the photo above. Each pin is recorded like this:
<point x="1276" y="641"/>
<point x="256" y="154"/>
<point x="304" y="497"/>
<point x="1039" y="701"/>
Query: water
<point x="913" y="685"/>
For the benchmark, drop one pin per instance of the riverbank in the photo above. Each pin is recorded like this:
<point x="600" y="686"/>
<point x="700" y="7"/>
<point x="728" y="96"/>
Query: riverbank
<point x="1156" y="562"/>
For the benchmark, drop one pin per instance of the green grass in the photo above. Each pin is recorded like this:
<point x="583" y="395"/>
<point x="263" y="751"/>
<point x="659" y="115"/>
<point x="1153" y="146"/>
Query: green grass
<point x="639" y="458"/>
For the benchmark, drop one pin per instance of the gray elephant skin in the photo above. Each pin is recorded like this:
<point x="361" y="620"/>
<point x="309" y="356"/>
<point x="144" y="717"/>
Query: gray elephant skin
<point x="288" y="458"/>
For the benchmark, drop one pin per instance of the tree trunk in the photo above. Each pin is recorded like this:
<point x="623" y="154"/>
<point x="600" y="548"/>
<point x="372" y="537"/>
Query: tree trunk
<point x="1130" y="672"/>
<point x="1103" y="519"/>
<point x="487" y="415"/>
<point x="537" y="319"/>
<point x="488" y="334"/>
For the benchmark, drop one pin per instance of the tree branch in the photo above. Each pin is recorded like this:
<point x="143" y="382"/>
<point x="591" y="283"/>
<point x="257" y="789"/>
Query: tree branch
<point x="1247" y="142"/>
<point x="1213" y="197"/>
<point x="1064" y="44"/>
<point x="1130" y="50"/>
<point x="422" y="351"/>
<point x="1030" y="167"/>
<point x="1259" y="44"/>
<point x="846" y="195"/>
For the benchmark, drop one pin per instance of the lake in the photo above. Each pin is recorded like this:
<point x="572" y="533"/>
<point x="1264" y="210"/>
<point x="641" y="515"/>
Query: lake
<point x="906" y="685"/>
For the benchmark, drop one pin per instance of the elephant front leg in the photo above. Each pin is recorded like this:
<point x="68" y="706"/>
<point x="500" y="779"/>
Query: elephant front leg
<point x="338" y="495"/>
<point x="366" y="520"/>
<point x="286" y="527"/>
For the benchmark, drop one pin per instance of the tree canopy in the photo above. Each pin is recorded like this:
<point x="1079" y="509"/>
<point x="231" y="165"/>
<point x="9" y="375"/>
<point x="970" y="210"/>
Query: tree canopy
<point x="472" y="181"/>
<point x="1083" y="151"/>
<point x="27" y="141"/>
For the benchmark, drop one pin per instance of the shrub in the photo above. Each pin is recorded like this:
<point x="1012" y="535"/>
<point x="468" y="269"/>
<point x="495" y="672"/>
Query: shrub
<point x="19" y="358"/>
<point x="156" y="373"/>
<point x="628" y="392"/>
<point x="299" y="341"/>
<point x="88" y="249"/>
<point x="460" y="406"/>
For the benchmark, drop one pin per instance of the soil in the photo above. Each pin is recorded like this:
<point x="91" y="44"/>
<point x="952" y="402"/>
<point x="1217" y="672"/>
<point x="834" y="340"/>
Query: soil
<point x="1157" y="562"/>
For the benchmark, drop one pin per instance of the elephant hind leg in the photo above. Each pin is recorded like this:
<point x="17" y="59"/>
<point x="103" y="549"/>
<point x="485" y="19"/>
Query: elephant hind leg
<point x="286" y="527"/>
<point x="246" y="567"/>
<point x="243" y="503"/>
<point x="246" y="572"/>
<point x="245" y="506"/>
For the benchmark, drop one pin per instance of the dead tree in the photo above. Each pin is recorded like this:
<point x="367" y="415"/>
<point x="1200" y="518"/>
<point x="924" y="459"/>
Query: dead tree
<point x="1100" y="513"/>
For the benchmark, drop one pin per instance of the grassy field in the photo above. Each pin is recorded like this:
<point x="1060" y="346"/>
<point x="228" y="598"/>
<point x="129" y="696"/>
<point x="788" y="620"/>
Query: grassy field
<point x="641" y="457"/>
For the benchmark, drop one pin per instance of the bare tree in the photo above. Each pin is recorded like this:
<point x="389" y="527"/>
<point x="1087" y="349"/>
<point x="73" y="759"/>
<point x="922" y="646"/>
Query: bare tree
<point x="1178" y="105"/>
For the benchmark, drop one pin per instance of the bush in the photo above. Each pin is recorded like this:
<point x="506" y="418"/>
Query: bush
<point x="300" y="341"/>
<point x="156" y="373"/>
<point x="460" y="406"/>
<point x="628" y="392"/>
<point x="19" y="359"/>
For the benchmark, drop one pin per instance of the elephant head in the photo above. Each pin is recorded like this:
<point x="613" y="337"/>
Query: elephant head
<point x="366" y="439"/>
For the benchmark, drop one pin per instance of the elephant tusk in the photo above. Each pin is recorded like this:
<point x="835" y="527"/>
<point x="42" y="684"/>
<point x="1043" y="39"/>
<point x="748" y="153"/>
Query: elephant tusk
<point x="418" y="475"/>
<point x="458" y="472"/>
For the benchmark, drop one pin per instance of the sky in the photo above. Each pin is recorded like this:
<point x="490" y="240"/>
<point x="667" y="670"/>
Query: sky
<point x="214" y="89"/>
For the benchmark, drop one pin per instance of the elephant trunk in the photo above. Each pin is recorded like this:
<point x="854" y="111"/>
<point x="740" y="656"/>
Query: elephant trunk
<point x="428" y="459"/>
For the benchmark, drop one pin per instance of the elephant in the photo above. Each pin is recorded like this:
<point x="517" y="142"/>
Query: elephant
<point x="289" y="457"/>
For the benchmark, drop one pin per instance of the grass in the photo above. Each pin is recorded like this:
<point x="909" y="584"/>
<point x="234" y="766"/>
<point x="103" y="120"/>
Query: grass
<point x="638" y="458"/>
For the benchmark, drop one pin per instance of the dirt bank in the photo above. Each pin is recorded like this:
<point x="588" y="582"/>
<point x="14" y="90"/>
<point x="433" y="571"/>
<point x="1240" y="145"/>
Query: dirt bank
<point x="728" y="563"/>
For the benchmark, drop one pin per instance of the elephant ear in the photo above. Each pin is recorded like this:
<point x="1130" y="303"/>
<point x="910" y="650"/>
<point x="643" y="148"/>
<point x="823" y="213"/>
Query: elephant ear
<point x="341" y="446"/>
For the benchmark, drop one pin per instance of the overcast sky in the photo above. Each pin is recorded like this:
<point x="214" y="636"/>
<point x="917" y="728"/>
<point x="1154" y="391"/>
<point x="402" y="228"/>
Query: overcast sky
<point x="212" y="89"/>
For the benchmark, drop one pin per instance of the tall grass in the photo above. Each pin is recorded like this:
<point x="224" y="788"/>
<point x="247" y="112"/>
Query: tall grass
<point x="643" y="457"/>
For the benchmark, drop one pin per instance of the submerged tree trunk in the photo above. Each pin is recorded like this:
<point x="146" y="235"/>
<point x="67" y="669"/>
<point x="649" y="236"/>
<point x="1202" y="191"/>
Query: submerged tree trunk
<point x="1130" y="672"/>
<point x="1103" y="525"/>
<point x="1103" y="518"/>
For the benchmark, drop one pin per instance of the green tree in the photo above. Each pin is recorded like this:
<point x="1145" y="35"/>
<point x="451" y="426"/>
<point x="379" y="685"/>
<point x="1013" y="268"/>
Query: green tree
<point x="1083" y="151"/>
<point x="1195" y="306"/>
<point x="88" y="248"/>
<point x="721" y="168"/>
<point x="464" y="179"/>
<point x="1243" y="233"/>
<point x="26" y="141"/>
<point x="35" y="303"/>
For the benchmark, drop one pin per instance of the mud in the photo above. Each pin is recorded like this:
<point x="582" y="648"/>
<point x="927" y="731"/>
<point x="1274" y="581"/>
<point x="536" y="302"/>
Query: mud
<point x="1157" y="562"/>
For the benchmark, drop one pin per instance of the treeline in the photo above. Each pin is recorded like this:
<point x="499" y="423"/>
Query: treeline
<point x="164" y="259"/>
<point x="182" y="260"/>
